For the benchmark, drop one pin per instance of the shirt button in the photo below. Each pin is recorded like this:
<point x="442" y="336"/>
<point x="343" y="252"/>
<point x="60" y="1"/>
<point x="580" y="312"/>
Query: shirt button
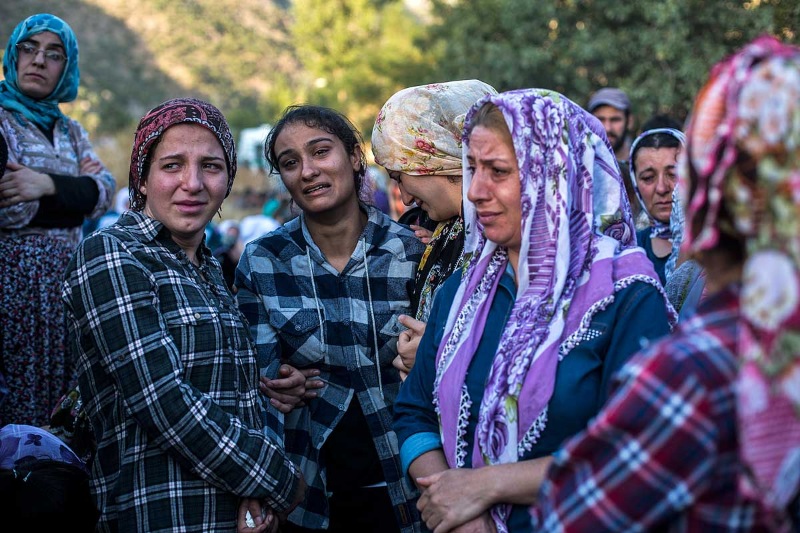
<point x="197" y="316"/>
<point x="121" y="357"/>
<point x="297" y="327"/>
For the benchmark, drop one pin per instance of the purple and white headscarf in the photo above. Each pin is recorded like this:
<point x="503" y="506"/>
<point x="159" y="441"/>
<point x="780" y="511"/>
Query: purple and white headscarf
<point x="578" y="248"/>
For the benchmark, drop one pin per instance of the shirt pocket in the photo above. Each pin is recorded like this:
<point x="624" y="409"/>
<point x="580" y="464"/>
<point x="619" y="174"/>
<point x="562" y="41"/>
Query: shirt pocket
<point x="208" y="362"/>
<point x="195" y="329"/>
<point x="300" y="332"/>
<point x="387" y="336"/>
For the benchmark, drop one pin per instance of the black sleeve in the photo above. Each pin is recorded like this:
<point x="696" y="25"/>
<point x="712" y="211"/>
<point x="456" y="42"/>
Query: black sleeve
<point x="74" y="199"/>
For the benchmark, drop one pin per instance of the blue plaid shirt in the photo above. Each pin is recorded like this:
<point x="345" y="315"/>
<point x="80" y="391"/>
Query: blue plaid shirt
<point x="303" y="311"/>
<point x="168" y="376"/>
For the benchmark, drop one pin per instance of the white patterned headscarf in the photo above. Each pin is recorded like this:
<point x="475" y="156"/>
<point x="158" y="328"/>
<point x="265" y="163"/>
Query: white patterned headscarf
<point x="578" y="248"/>
<point x="418" y="130"/>
<point x="658" y="229"/>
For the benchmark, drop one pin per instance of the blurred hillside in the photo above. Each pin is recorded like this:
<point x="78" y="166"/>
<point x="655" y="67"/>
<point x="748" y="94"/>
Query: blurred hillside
<point x="252" y="58"/>
<point x="134" y="55"/>
<point x="237" y="54"/>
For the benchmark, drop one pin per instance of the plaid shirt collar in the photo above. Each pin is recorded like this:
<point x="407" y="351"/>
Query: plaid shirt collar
<point x="149" y="230"/>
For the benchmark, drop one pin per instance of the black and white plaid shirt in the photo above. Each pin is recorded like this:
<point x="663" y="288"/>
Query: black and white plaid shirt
<point x="168" y="376"/>
<point x="304" y="312"/>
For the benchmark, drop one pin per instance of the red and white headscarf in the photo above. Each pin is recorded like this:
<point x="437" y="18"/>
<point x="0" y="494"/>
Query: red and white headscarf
<point x="158" y="120"/>
<point x="743" y="149"/>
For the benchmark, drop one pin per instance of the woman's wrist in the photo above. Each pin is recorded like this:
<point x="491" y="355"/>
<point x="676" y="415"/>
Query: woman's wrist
<point x="47" y="184"/>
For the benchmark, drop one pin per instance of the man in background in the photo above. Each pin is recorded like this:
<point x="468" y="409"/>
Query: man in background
<point x="612" y="107"/>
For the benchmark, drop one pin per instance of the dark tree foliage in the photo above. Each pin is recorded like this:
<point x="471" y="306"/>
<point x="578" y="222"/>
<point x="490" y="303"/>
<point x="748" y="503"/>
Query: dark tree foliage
<point x="252" y="58"/>
<point x="659" y="52"/>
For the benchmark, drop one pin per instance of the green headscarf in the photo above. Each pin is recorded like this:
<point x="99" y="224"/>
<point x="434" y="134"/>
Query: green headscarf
<point x="42" y="112"/>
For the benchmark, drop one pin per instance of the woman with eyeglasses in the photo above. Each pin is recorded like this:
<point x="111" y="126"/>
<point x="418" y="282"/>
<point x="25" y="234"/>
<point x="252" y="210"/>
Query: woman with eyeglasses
<point x="53" y="180"/>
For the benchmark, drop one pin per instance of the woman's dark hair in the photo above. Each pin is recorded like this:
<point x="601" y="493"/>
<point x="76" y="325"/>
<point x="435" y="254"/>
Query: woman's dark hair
<point x="47" y="492"/>
<point x="656" y="140"/>
<point x="148" y="160"/>
<point x="133" y="191"/>
<point x="730" y="242"/>
<point x="661" y="121"/>
<point x="326" y="119"/>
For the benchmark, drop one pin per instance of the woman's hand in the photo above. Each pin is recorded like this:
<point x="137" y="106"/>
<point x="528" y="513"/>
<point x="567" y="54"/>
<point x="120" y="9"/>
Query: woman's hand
<point x="481" y="524"/>
<point x="21" y="184"/>
<point x="452" y="498"/>
<point x="259" y="521"/>
<point x="407" y="344"/>
<point x="292" y="388"/>
<point x="90" y="166"/>
<point x="423" y="234"/>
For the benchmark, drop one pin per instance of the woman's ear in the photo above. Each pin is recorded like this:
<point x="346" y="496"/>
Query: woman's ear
<point x="143" y="189"/>
<point x="357" y="158"/>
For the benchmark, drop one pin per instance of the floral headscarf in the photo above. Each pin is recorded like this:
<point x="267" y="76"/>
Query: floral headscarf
<point x="158" y="120"/>
<point x="743" y="142"/>
<point x="659" y="229"/>
<point x="418" y="130"/>
<point x="578" y="248"/>
<point x="45" y="112"/>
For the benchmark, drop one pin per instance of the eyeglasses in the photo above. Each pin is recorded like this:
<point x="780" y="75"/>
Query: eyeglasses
<point x="30" y="50"/>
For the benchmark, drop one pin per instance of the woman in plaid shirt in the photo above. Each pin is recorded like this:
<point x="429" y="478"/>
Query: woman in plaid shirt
<point x="167" y="369"/>
<point x="324" y="292"/>
<point x="702" y="432"/>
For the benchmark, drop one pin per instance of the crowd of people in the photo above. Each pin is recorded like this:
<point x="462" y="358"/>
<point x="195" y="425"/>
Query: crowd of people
<point x="571" y="327"/>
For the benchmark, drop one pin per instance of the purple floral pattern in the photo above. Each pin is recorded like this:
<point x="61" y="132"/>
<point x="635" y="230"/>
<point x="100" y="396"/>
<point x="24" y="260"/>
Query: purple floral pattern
<point x="573" y="205"/>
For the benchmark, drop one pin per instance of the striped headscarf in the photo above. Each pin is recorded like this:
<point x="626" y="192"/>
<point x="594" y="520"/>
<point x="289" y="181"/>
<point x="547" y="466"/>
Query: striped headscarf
<point x="158" y="120"/>
<point x="743" y="167"/>
<point x="45" y="112"/>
